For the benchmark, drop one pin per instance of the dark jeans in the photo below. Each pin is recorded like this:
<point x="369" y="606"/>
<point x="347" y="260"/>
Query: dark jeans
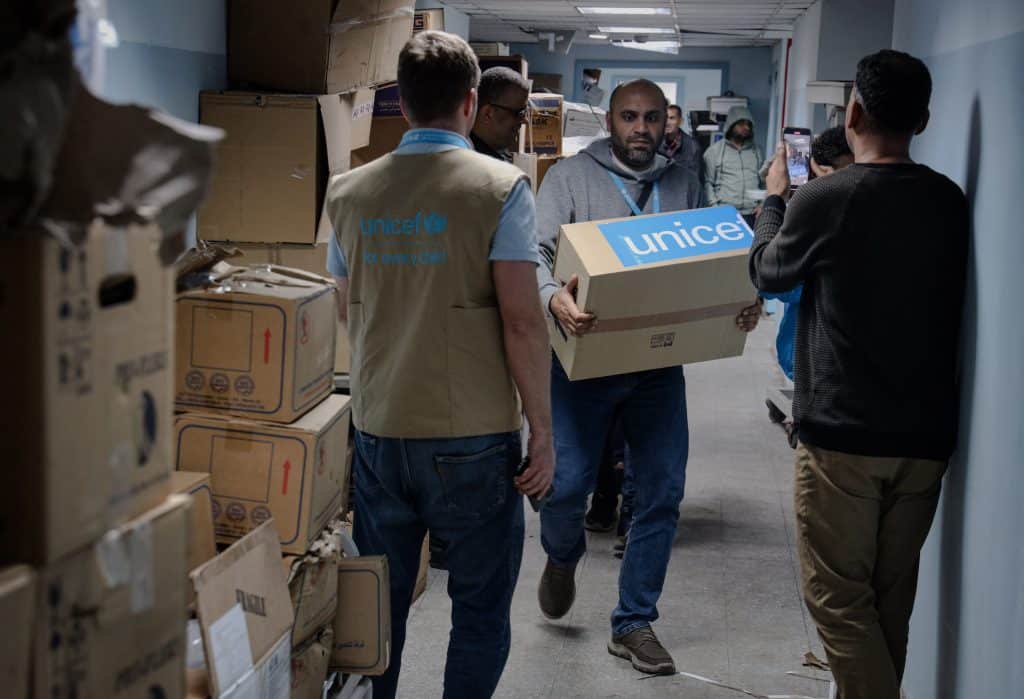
<point x="653" y="405"/>
<point x="461" y="489"/>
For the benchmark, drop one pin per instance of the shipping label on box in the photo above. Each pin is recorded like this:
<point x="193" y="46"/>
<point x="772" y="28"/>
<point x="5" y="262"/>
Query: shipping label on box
<point x="111" y="617"/>
<point x="428" y="20"/>
<point x="17" y="609"/>
<point x="261" y="343"/>
<point x="666" y="289"/>
<point x="245" y="617"/>
<point x="202" y="546"/>
<point x="295" y="474"/>
<point x="362" y="625"/>
<point x="545" y="130"/>
<point x="92" y="375"/>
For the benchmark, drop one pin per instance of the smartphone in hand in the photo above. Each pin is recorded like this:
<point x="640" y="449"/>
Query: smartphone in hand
<point x="535" y="502"/>
<point x="798" y="154"/>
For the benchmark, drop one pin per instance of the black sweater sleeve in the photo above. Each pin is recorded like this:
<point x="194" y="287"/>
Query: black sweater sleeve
<point x="791" y="242"/>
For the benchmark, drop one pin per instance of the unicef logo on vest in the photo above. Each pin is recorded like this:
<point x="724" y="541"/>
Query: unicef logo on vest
<point x="677" y="236"/>
<point x="421" y="224"/>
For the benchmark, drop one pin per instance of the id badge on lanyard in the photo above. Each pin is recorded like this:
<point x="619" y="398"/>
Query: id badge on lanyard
<point x="637" y="211"/>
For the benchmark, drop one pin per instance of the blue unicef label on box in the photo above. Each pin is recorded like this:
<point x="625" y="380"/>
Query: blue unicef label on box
<point x="677" y="236"/>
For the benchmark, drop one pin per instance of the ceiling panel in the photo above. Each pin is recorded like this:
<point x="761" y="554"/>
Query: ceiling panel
<point x="754" y="22"/>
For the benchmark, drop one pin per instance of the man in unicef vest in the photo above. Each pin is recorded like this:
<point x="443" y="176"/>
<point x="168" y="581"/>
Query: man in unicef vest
<point x="436" y="255"/>
<point x="616" y="177"/>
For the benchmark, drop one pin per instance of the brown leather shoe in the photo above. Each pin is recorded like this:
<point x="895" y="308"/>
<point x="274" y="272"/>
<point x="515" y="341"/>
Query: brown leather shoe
<point x="557" y="590"/>
<point x="644" y="650"/>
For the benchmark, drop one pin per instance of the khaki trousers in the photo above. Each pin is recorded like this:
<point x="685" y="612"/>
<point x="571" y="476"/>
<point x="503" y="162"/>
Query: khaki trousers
<point x="861" y="523"/>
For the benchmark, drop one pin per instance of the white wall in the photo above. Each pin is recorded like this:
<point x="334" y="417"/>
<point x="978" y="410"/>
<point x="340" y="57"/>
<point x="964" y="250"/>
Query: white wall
<point x="803" y="66"/>
<point x="967" y="632"/>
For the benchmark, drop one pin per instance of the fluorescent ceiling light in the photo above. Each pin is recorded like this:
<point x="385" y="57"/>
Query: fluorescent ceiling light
<point x="636" y="30"/>
<point x="598" y="36"/>
<point x="647" y="11"/>
<point x="656" y="46"/>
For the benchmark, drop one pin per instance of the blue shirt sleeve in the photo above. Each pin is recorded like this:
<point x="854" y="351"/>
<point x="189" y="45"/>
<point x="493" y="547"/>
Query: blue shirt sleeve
<point x="791" y="296"/>
<point x="516" y="237"/>
<point x="336" y="264"/>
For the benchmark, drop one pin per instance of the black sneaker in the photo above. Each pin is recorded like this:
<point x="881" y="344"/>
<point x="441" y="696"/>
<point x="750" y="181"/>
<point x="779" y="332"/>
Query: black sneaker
<point x="644" y="650"/>
<point x="557" y="590"/>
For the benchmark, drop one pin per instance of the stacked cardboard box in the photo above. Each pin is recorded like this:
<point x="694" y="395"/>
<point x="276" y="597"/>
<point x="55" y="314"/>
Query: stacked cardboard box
<point x="85" y="494"/>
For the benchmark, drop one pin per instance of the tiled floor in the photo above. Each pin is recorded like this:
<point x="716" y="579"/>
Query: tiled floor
<point x="731" y="609"/>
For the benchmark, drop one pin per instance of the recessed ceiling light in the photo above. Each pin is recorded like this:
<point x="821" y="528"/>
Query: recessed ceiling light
<point x="647" y="11"/>
<point x="598" y="36"/>
<point x="636" y="30"/>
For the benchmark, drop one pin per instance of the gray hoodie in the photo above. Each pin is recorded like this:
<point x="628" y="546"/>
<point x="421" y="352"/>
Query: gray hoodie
<point x="580" y="189"/>
<point x="729" y="172"/>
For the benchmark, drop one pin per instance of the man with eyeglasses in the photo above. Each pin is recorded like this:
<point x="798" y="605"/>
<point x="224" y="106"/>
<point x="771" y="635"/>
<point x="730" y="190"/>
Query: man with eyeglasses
<point x="503" y="95"/>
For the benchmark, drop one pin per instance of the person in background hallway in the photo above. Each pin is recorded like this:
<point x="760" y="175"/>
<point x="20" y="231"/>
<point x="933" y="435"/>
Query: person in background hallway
<point x="829" y="153"/>
<point x="615" y="177"/>
<point x="504" y="97"/>
<point x="881" y="249"/>
<point x="732" y="165"/>
<point x="679" y="145"/>
<point x="437" y="442"/>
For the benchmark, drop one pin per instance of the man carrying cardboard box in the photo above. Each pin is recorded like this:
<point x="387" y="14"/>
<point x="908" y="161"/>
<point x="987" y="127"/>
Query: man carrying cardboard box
<point x="435" y="258"/>
<point x="616" y="177"/>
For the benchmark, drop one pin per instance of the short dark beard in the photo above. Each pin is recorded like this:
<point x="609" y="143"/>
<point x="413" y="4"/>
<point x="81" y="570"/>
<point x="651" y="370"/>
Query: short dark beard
<point x="633" y="158"/>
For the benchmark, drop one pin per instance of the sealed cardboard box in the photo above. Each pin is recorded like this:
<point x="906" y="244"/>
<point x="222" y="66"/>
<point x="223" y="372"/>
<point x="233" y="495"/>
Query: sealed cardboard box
<point x="273" y="166"/>
<point x="310" y="665"/>
<point x="362" y="625"/>
<point x="259" y="343"/>
<point x="245" y="618"/>
<point x="110" y="618"/>
<point x="666" y="289"/>
<point x="17" y="612"/>
<point x="385" y="135"/>
<point x="87" y="420"/>
<point x="310" y="258"/>
<point x="294" y="473"/>
<point x="313" y="583"/>
<point x="317" y="46"/>
<point x="202" y="547"/>
<point x="545" y="131"/>
<point x="424" y="20"/>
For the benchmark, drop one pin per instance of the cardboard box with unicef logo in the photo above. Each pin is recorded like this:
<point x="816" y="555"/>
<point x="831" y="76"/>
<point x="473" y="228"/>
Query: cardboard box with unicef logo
<point x="666" y="289"/>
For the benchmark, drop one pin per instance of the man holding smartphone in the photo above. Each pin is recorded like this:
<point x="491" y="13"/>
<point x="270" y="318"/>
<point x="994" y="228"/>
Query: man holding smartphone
<point x="881" y="249"/>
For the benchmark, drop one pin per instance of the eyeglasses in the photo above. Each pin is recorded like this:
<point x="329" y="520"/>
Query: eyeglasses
<point x="518" y="113"/>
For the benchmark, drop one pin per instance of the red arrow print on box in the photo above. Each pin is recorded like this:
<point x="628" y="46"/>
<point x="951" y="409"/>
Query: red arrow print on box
<point x="287" y="469"/>
<point x="266" y="346"/>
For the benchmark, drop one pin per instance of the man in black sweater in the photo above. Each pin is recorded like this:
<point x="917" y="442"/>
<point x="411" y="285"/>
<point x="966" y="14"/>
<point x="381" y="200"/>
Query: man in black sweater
<point x="881" y="248"/>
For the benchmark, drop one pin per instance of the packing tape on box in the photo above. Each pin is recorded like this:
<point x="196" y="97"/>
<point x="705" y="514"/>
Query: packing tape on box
<point x="341" y="27"/>
<point x="662" y="319"/>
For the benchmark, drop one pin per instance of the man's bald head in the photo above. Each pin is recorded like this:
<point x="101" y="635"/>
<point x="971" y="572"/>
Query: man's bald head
<point x="634" y="86"/>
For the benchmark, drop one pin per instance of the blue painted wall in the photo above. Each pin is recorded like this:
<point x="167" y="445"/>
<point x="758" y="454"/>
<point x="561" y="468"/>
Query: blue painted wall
<point x="168" y="52"/>
<point x="748" y="70"/>
<point x="967" y="635"/>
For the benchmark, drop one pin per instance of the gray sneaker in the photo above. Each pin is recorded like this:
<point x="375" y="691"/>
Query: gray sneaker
<point x="557" y="590"/>
<point x="644" y="650"/>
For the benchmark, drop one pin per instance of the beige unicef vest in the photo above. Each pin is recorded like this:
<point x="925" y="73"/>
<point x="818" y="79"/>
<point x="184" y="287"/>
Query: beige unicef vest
<point x="428" y="356"/>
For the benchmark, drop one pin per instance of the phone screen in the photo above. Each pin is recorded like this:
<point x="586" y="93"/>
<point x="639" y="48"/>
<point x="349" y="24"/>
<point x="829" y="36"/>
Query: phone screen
<point x="798" y="157"/>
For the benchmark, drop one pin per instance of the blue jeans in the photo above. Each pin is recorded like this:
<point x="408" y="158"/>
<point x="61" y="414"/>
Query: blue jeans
<point x="653" y="405"/>
<point x="462" y="491"/>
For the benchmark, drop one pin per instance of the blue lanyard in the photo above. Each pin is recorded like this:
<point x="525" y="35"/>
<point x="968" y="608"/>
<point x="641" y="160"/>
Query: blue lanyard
<point x="444" y="138"/>
<point x="655" y="205"/>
